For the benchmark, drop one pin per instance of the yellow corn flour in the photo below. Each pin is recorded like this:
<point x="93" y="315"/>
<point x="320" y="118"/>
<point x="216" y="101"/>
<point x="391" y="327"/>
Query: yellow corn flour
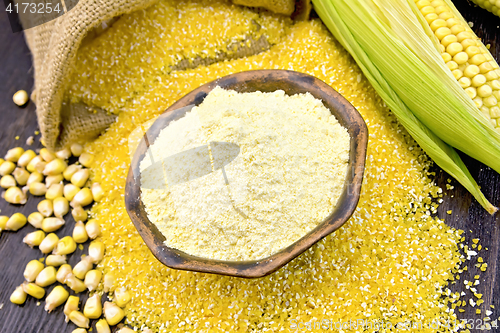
<point x="286" y="179"/>
<point x="391" y="262"/>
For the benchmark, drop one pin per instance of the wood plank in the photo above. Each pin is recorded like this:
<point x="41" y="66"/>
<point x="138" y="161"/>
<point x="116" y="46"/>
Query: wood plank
<point x="17" y="74"/>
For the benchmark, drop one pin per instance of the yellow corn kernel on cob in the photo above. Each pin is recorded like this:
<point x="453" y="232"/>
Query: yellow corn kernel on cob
<point x="466" y="56"/>
<point x="490" y="5"/>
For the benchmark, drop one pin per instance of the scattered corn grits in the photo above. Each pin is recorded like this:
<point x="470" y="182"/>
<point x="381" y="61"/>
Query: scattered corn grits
<point x="391" y="261"/>
<point x="285" y="181"/>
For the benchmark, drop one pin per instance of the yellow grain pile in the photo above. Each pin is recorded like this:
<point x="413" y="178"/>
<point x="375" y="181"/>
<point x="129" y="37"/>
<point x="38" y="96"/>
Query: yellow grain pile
<point x="390" y="262"/>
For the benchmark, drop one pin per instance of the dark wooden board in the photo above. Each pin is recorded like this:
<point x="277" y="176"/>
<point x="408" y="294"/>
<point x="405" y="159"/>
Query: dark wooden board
<point x="16" y="73"/>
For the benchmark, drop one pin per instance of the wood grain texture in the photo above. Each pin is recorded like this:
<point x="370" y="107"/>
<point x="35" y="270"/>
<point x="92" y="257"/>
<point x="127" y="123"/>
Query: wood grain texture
<point x="16" y="73"/>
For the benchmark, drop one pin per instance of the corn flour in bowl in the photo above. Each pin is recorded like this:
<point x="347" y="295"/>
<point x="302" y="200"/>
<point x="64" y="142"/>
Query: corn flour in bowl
<point x="244" y="175"/>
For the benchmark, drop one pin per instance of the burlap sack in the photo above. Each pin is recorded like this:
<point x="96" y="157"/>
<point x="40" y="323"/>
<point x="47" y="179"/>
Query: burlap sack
<point x="54" y="46"/>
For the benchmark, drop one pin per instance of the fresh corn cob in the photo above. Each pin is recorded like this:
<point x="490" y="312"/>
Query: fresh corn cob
<point x="397" y="50"/>
<point x="465" y="55"/>
<point x="490" y="5"/>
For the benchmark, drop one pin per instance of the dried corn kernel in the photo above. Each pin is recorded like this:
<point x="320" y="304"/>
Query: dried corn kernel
<point x="18" y="296"/>
<point x="66" y="245"/>
<point x="63" y="272"/>
<point x="79" y="214"/>
<point x="113" y="313"/>
<point x="33" y="268"/>
<point x="80" y="177"/>
<point x="55" y="260"/>
<point x="33" y="290"/>
<point x="92" y="279"/>
<point x="102" y="326"/>
<point x="49" y="243"/>
<point x="7" y="181"/>
<point x="14" y="154"/>
<point x="93" y="307"/>
<point x="21" y="176"/>
<point x="34" y="238"/>
<point x="16" y="222"/>
<point x="81" y="269"/>
<point x="35" y="177"/>
<point x="51" y="224"/>
<point x="14" y="195"/>
<point x="46" y="155"/>
<point x="20" y="97"/>
<point x="79" y="319"/>
<point x="51" y="180"/>
<point x="45" y="207"/>
<point x="70" y="306"/>
<point x="46" y="277"/>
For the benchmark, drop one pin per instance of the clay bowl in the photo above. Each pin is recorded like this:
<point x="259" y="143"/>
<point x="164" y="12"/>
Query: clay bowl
<point x="265" y="81"/>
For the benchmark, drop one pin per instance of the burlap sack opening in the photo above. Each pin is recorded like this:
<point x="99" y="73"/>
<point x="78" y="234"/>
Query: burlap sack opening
<point x="54" y="46"/>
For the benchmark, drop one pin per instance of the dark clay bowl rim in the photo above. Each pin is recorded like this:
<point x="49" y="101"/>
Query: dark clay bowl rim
<point x="263" y="80"/>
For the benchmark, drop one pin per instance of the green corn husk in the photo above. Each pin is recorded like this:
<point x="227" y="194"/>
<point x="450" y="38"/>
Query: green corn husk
<point x="409" y="78"/>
